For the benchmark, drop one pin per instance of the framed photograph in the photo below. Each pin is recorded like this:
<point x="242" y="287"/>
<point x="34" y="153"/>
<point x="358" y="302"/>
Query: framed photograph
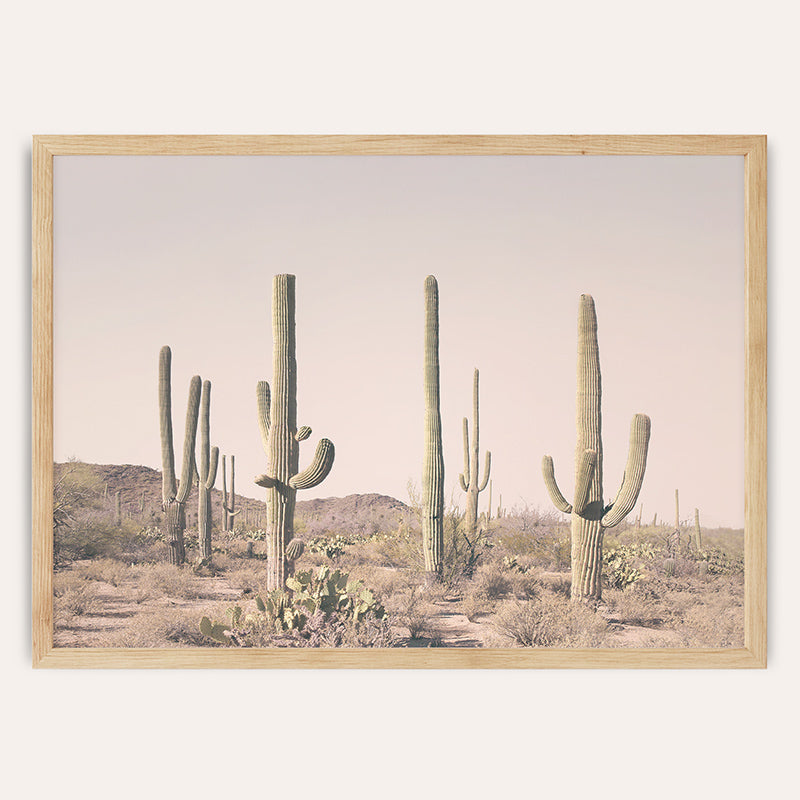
<point x="399" y="401"/>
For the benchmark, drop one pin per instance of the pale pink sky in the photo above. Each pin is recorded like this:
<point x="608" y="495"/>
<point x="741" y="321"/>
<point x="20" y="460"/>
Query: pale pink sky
<point x="181" y="251"/>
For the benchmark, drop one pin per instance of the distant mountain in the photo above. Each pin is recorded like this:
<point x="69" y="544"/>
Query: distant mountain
<point x="140" y="497"/>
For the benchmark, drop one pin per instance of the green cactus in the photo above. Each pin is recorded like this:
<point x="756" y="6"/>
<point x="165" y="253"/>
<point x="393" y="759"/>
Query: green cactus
<point x="698" y="534"/>
<point x="489" y="508"/>
<point x="669" y="567"/>
<point x="433" y="461"/>
<point x="174" y="495"/>
<point x="469" y="478"/>
<point x="118" y="509"/>
<point x="229" y="498"/>
<point x="277" y="419"/>
<point x="295" y="549"/>
<point x="207" y="475"/>
<point x="590" y="517"/>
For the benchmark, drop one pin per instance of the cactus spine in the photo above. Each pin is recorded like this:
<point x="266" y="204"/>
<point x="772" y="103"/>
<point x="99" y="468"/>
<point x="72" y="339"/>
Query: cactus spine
<point x="173" y="494"/>
<point x="469" y="478"/>
<point x="433" y="460"/>
<point x="277" y="419"/>
<point x="207" y="474"/>
<point x="228" y="498"/>
<point x="590" y="517"/>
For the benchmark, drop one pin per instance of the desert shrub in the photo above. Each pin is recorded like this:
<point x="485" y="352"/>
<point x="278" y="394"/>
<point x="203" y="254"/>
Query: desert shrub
<point x="549" y="621"/>
<point x="712" y="625"/>
<point x="167" y="580"/>
<point x="618" y="569"/>
<point x="163" y="627"/>
<point x="105" y="570"/>
<point x="491" y="582"/>
<point x="73" y="596"/>
<point x="411" y="609"/>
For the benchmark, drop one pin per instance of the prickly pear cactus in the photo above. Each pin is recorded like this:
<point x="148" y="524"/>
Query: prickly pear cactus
<point x="277" y="420"/>
<point x="590" y="517"/>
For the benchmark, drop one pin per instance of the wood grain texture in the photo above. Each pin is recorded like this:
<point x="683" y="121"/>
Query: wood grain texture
<point x="754" y="151"/>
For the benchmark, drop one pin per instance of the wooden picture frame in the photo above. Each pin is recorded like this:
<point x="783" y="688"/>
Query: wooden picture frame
<point x="752" y="149"/>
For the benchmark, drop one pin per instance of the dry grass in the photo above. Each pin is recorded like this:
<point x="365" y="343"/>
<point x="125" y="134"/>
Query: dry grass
<point x="166" y="580"/>
<point x="549" y="621"/>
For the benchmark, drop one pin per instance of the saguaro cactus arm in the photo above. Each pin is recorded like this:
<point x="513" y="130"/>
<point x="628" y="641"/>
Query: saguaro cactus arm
<point x="634" y="472"/>
<point x="263" y="400"/>
<point x="319" y="468"/>
<point x="487" y="466"/>
<point x="211" y="478"/>
<point x="169" y="485"/>
<point x="463" y="478"/>
<point x="584" y="483"/>
<point x="303" y="432"/>
<point x="559" y="501"/>
<point x="189" y="439"/>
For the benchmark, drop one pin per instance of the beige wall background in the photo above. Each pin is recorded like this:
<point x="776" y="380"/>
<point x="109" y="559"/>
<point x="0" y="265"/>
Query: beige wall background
<point x="90" y="67"/>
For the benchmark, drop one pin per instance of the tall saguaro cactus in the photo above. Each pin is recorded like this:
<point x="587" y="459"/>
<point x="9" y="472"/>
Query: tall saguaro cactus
<point x="228" y="498"/>
<point x="277" y="419"/>
<point x="469" y="478"/>
<point x="433" y="460"/>
<point x="590" y="517"/>
<point x="698" y="533"/>
<point x="174" y="495"/>
<point x="206" y="474"/>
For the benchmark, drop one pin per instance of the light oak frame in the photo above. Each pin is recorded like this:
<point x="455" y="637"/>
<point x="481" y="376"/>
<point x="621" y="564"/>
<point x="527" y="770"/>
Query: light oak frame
<point x="753" y="149"/>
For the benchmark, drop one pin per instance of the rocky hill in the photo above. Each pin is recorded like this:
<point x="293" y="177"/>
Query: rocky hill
<point x="140" y="499"/>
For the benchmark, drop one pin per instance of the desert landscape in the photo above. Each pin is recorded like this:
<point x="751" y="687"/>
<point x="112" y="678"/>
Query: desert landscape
<point x="437" y="403"/>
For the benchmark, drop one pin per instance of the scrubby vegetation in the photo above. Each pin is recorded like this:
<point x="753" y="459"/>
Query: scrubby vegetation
<point x="507" y="587"/>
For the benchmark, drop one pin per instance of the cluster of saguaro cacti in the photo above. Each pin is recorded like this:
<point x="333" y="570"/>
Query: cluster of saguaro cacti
<point x="469" y="478"/>
<point x="206" y="474"/>
<point x="174" y="495"/>
<point x="228" y="497"/>
<point x="277" y="420"/>
<point x="433" y="458"/>
<point x="590" y="517"/>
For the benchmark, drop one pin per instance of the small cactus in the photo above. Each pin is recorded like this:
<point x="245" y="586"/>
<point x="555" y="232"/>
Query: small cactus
<point x="669" y="567"/>
<point x="295" y="549"/>
<point x="469" y="478"/>
<point x="229" y="511"/>
<point x="174" y="495"/>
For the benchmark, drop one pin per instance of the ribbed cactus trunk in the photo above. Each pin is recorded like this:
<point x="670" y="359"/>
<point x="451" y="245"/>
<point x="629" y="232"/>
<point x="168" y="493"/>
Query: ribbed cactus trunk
<point x="277" y="417"/>
<point x="207" y="474"/>
<point x="698" y="534"/>
<point x="118" y="509"/>
<point x="489" y="509"/>
<point x="433" y="459"/>
<point x="224" y="497"/>
<point x="229" y="511"/>
<point x="590" y="517"/>
<point x="469" y="478"/>
<point x="587" y="530"/>
<point x="173" y="495"/>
